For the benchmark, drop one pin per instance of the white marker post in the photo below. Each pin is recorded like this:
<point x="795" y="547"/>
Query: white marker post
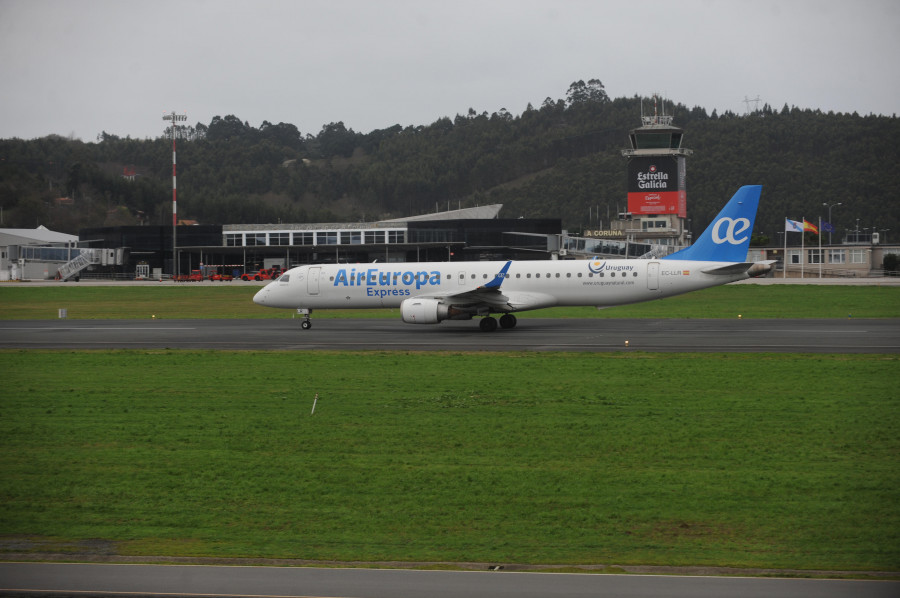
<point x="315" y="400"/>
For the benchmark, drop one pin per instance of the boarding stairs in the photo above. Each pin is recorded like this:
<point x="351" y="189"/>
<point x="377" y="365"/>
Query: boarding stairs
<point x="85" y="258"/>
<point x="657" y="253"/>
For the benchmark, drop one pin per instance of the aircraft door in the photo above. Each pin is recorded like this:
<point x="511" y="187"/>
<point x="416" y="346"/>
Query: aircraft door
<point x="653" y="276"/>
<point x="312" y="281"/>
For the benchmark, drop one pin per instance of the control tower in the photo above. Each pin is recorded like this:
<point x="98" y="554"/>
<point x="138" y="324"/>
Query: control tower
<point x="657" y="197"/>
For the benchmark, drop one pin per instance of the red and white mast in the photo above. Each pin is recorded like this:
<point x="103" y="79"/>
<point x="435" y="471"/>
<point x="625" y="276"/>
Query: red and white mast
<point x="173" y="129"/>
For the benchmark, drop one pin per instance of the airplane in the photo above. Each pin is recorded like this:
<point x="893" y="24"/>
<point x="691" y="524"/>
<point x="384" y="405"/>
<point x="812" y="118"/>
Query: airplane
<point x="430" y="292"/>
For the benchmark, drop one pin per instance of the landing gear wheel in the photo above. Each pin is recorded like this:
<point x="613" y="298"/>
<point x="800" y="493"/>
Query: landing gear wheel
<point x="305" y="324"/>
<point x="488" y="324"/>
<point x="507" y="321"/>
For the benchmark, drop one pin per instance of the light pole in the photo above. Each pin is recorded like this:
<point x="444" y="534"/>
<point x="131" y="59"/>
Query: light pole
<point x="830" y="225"/>
<point x="173" y="129"/>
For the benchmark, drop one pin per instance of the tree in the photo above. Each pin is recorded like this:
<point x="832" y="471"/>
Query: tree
<point x="580" y="93"/>
<point x="226" y="128"/>
<point x="73" y="179"/>
<point x="336" y="140"/>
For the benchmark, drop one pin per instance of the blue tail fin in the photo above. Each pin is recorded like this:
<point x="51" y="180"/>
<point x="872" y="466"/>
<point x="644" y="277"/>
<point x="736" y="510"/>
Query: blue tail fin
<point x="728" y="237"/>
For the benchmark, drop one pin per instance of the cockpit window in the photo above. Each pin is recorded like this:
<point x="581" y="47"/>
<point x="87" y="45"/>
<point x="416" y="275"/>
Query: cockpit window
<point x="284" y="278"/>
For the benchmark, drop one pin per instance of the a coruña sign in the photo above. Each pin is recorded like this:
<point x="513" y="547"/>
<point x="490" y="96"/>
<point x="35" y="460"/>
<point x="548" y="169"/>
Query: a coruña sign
<point x="604" y="234"/>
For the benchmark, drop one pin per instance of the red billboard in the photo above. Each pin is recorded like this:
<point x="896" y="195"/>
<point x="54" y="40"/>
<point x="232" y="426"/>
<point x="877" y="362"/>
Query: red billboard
<point x="656" y="185"/>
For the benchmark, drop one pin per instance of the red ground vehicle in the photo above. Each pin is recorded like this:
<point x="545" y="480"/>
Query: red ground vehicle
<point x="218" y="276"/>
<point x="194" y="276"/>
<point x="264" y="274"/>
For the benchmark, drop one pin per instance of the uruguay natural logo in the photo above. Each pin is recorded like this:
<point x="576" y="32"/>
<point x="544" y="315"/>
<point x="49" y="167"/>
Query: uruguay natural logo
<point x="596" y="266"/>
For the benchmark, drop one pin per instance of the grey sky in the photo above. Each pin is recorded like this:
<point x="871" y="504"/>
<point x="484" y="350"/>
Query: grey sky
<point x="79" y="67"/>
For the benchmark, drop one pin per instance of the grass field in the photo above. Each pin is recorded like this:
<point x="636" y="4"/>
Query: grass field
<point x="787" y="461"/>
<point x="20" y="302"/>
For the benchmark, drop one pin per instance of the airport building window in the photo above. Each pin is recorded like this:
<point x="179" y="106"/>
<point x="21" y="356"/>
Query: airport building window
<point x="327" y="237"/>
<point x="351" y="237"/>
<point x="234" y="239"/>
<point x="815" y="256"/>
<point x="374" y="237"/>
<point x="396" y="236"/>
<point x="857" y="256"/>
<point x="279" y="238"/>
<point x="256" y="239"/>
<point x="837" y="256"/>
<point x="794" y="256"/>
<point x="305" y="238"/>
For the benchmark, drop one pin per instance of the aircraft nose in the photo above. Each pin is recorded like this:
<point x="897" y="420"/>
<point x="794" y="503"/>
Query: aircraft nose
<point x="260" y="297"/>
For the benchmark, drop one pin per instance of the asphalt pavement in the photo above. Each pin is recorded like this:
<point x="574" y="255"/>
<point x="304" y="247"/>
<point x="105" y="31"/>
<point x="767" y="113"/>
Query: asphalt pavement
<point x="849" y="335"/>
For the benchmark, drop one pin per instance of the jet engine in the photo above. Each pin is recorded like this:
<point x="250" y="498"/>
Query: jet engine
<point x="430" y="311"/>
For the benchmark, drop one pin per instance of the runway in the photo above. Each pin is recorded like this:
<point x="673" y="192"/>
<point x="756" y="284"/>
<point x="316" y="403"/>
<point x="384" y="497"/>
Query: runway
<point x="532" y="334"/>
<point x="176" y="580"/>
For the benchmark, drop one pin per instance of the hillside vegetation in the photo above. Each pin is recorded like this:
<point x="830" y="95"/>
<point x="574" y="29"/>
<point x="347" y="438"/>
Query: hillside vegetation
<point x="561" y="159"/>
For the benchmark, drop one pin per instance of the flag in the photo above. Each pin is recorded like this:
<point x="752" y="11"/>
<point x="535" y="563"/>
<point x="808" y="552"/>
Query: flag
<point x="807" y="225"/>
<point x="827" y="227"/>
<point x="792" y="226"/>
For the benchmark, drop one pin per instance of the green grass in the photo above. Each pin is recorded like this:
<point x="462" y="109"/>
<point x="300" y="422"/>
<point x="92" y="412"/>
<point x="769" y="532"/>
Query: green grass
<point x="785" y="461"/>
<point x="20" y="302"/>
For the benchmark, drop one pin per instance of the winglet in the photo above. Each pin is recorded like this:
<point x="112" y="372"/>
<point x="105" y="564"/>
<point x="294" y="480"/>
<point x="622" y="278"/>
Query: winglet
<point x="498" y="280"/>
<point x="727" y="239"/>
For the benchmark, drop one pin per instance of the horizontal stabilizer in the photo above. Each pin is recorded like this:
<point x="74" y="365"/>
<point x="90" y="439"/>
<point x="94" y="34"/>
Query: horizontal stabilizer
<point x="751" y="268"/>
<point x="729" y="269"/>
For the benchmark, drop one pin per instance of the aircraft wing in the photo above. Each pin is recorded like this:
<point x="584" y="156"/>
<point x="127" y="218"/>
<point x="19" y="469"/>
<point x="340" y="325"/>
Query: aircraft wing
<point x="491" y="298"/>
<point x="488" y="294"/>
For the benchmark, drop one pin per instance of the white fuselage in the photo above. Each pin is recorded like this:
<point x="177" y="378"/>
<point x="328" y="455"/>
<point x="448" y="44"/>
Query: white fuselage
<point x="527" y="284"/>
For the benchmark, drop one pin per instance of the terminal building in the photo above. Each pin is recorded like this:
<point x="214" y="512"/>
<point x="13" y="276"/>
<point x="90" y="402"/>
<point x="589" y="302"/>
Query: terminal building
<point x="470" y="234"/>
<point x="132" y="252"/>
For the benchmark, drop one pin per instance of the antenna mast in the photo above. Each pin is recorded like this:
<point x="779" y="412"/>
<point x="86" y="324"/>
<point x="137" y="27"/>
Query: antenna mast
<point x="173" y="129"/>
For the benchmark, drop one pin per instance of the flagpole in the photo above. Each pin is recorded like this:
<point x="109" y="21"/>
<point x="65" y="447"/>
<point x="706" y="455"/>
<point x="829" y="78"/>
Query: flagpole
<point x="802" y="252"/>
<point x="785" y="255"/>
<point x="820" y="247"/>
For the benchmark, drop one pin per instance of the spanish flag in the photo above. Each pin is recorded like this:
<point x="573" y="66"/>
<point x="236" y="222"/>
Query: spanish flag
<point x="809" y="226"/>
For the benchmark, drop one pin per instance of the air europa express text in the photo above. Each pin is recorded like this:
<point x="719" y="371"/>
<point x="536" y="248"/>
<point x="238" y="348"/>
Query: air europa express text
<point x="374" y="278"/>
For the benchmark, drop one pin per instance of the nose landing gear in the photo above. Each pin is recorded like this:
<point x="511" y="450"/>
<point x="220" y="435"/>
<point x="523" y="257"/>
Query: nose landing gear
<point x="306" y="324"/>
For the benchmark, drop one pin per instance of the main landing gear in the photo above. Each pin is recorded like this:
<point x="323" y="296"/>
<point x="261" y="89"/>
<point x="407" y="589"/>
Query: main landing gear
<point x="306" y="324"/>
<point x="489" y="324"/>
